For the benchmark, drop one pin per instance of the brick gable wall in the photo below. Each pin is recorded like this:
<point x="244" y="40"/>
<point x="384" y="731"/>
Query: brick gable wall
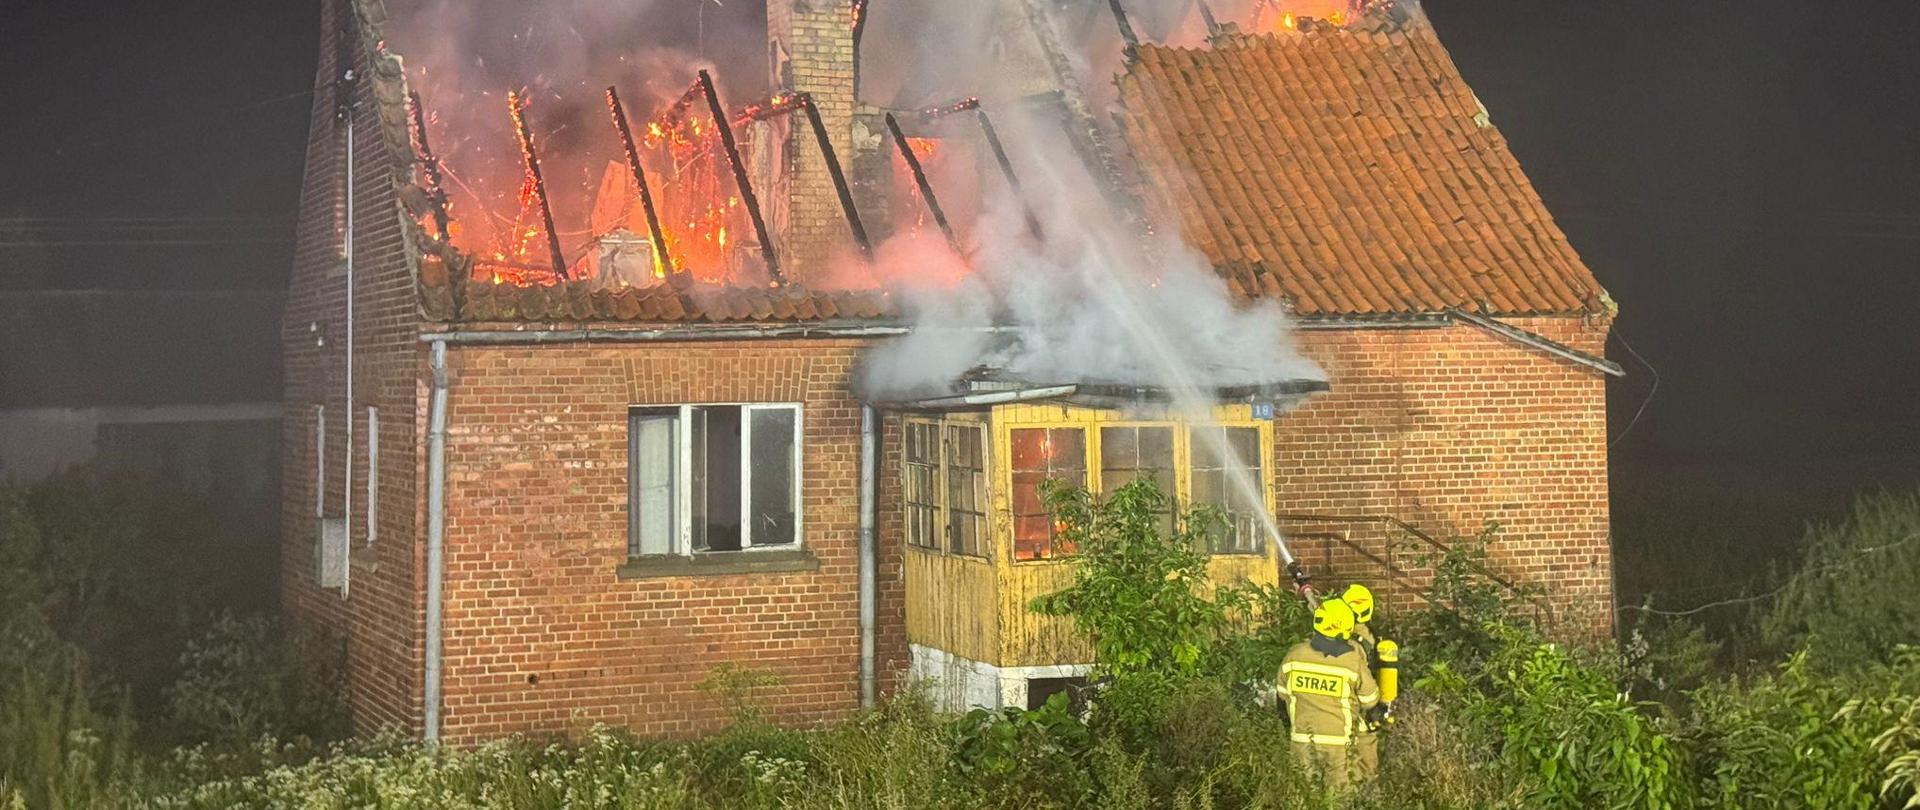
<point x="1449" y="429"/>
<point x="381" y="618"/>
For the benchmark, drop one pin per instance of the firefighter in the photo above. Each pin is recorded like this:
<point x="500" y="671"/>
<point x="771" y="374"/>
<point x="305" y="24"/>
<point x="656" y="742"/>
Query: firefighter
<point x="1361" y="600"/>
<point x="1328" y="689"/>
<point x="1376" y="652"/>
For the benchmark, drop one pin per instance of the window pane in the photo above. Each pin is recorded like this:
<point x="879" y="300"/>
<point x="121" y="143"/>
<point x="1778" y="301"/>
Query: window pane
<point x="966" y="488"/>
<point x="1227" y="473"/>
<point x="773" y="508"/>
<point x="651" y="450"/>
<point x="1131" y="453"/>
<point x="921" y="491"/>
<point x="1040" y="454"/>
<point x="716" y="478"/>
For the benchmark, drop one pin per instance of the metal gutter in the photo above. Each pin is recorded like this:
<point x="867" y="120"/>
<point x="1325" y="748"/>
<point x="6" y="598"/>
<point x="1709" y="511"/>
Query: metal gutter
<point x="436" y="537"/>
<point x="869" y="552"/>
<point x="1522" y="336"/>
<point x="671" y="333"/>
<point x="993" y="397"/>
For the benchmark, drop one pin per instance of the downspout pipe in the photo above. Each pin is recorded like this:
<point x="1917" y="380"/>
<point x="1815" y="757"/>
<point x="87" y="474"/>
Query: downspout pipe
<point x="869" y="551"/>
<point x="436" y="536"/>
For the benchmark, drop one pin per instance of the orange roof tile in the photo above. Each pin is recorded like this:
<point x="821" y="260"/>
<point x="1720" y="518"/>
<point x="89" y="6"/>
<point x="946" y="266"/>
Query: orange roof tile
<point x="1348" y="172"/>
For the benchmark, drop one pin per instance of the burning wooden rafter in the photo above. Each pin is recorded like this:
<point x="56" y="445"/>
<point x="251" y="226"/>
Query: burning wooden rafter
<point x="669" y="119"/>
<point x="429" y="166"/>
<point x="1127" y="36"/>
<point x="920" y="180"/>
<point x="994" y="145"/>
<point x="859" y="23"/>
<point x="517" y="109"/>
<point x="936" y="113"/>
<point x="777" y="104"/>
<point x="662" y="260"/>
<point x="740" y="176"/>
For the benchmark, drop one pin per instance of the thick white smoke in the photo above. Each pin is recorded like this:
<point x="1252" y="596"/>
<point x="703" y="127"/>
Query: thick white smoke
<point x="1096" y="299"/>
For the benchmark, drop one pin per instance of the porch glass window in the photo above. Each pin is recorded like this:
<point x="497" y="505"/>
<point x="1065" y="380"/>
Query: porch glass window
<point x="1221" y="455"/>
<point x="1041" y="454"/>
<point x="1129" y="453"/>
<point x="922" y="474"/>
<point x="966" y="470"/>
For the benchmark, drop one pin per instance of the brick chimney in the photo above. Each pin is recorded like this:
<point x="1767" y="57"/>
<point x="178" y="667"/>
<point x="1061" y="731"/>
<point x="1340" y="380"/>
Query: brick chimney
<point x="810" y="48"/>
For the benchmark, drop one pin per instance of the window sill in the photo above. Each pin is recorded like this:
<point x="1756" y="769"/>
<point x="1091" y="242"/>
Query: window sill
<point x="719" y="563"/>
<point x="953" y="555"/>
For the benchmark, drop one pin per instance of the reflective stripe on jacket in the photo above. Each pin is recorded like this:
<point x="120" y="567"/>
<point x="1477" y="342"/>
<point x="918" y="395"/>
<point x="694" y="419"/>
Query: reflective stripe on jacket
<point x="1327" y="687"/>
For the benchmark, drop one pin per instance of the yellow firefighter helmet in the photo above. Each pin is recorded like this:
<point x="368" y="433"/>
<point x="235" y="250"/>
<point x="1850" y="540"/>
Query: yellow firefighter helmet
<point x="1333" y="619"/>
<point x="1361" y="600"/>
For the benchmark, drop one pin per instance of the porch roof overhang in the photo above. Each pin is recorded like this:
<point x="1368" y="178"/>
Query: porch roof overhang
<point x="986" y="388"/>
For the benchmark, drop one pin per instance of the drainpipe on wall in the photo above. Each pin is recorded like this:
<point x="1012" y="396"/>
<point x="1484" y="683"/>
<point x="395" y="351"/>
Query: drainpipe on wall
<point x="869" y="550"/>
<point x="346" y="408"/>
<point x="436" y="535"/>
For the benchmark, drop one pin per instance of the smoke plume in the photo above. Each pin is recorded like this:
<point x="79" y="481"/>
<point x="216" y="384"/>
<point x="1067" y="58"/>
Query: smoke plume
<point x="1103" y="293"/>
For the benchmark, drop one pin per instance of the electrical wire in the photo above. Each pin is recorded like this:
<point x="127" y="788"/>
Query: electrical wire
<point x="1741" y="600"/>
<point x="1650" y="391"/>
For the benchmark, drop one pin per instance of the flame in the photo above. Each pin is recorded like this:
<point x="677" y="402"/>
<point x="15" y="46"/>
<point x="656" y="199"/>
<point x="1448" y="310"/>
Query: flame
<point x="698" y="206"/>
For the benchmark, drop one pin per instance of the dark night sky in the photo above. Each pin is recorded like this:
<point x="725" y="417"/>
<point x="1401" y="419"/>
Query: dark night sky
<point x="1743" y="176"/>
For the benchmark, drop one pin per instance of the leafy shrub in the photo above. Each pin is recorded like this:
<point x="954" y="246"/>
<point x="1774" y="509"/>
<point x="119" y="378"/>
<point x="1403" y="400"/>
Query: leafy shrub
<point x="127" y="569"/>
<point x="1851" y="603"/>
<point x="250" y="678"/>
<point x="1022" y="758"/>
<point x="1140" y="594"/>
<point x="1666" y="657"/>
<point x="1566" y="734"/>
<point x="1804" y="738"/>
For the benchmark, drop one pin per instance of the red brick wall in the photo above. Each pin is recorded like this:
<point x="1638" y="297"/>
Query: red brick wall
<point x="1449" y="428"/>
<point x="542" y="636"/>
<point x="381" y="615"/>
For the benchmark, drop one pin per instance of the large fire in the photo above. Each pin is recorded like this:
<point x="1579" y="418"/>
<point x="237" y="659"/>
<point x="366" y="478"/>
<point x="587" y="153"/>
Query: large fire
<point x="702" y="226"/>
<point x="1275" y="16"/>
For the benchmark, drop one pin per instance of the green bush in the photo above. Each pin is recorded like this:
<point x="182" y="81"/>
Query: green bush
<point x="1852" y="602"/>
<point x="245" y="679"/>
<point x="1022" y="758"/>
<point x="1140" y="594"/>
<point x="1566" y="735"/>
<point x="1805" y="738"/>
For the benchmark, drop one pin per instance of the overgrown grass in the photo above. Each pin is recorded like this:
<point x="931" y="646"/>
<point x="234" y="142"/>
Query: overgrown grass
<point x="1497" y="716"/>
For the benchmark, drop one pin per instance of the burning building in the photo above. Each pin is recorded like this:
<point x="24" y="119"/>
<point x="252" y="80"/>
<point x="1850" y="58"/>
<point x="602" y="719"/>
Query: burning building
<point x="774" y="384"/>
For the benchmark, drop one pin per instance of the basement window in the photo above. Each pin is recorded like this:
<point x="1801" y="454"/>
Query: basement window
<point x="713" y="478"/>
<point x="1221" y="457"/>
<point x="1042" y="454"/>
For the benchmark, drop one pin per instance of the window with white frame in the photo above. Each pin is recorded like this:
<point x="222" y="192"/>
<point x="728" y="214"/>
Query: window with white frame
<point x="706" y="478"/>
